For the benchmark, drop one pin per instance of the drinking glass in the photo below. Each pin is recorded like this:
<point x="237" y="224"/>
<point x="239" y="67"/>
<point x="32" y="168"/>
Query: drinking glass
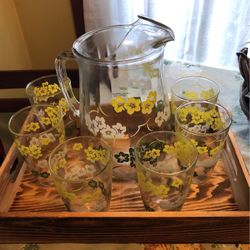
<point x="46" y="89"/>
<point x="82" y="173"/>
<point x="37" y="129"/>
<point x="165" y="163"/>
<point x="207" y="125"/>
<point x="193" y="88"/>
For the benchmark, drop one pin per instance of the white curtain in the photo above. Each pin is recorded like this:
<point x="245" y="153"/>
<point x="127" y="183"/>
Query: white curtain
<point x="207" y="32"/>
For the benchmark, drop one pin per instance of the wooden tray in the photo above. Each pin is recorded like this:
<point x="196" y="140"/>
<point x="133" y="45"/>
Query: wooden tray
<point x="216" y="210"/>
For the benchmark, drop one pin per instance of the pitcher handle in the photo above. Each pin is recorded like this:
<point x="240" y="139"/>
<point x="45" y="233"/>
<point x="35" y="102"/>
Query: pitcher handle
<point x="64" y="81"/>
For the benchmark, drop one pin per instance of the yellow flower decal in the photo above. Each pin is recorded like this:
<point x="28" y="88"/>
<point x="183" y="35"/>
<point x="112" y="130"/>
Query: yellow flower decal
<point x="196" y="118"/>
<point x="44" y="139"/>
<point x="24" y="150"/>
<point x="177" y="182"/>
<point x="118" y="104"/>
<point x="132" y="105"/>
<point x="215" y="150"/>
<point x="152" y="96"/>
<point x="45" y="120"/>
<point x="35" y="151"/>
<point x="77" y="146"/>
<point x="96" y="155"/>
<point x="154" y="153"/>
<point x="53" y="115"/>
<point x="218" y="124"/>
<point x="147" y="106"/>
<point x="63" y="105"/>
<point x="202" y="149"/>
<point x="53" y="88"/>
<point x="33" y="126"/>
<point x="62" y="163"/>
<point x="207" y="94"/>
<point x="169" y="149"/>
<point x="147" y="186"/>
<point x="192" y="116"/>
<point x="90" y="153"/>
<point x="194" y="142"/>
<point x="46" y="89"/>
<point x="191" y="95"/>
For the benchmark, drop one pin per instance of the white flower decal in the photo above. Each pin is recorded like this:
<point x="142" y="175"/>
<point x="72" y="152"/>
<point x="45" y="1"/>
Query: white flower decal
<point x="34" y="141"/>
<point x="120" y="130"/>
<point x="42" y="164"/>
<point x="108" y="132"/>
<point x="162" y="116"/>
<point x="90" y="125"/>
<point x="159" y="118"/>
<point x="77" y="172"/>
<point x="99" y="123"/>
<point x="166" y="113"/>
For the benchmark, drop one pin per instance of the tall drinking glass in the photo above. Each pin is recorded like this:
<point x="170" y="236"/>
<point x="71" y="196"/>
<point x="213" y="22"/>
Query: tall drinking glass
<point x="165" y="163"/>
<point x="37" y="130"/>
<point x="82" y="173"/>
<point x="207" y="125"/>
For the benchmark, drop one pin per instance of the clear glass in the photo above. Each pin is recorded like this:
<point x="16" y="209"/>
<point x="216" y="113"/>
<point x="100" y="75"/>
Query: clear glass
<point x="46" y="89"/>
<point x="165" y="163"/>
<point x="207" y="125"/>
<point x="37" y="129"/>
<point x="193" y="88"/>
<point x="82" y="173"/>
<point x="121" y="86"/>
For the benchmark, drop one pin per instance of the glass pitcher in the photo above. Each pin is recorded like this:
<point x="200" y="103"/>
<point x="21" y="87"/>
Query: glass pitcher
<point x="121" y="95"/>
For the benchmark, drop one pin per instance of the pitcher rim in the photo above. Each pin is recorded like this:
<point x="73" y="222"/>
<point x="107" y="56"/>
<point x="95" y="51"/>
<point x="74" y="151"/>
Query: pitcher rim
<point x="156" y="51"/>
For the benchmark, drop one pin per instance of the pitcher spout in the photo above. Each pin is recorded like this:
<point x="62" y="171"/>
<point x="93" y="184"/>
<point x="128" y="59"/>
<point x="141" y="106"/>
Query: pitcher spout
<point x="166" y="36"/>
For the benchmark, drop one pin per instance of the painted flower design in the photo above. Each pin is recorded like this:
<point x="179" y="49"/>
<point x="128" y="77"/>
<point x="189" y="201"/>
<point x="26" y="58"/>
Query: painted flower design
<point x="93" y="155"/>
<point x="152" y="154"/>
<point x="77" y="146"/>
<point x="202" y="149"/>
<point x="99" y="123"/>
<point x="207" y="94"/>
<point x="42" y="164"/>
<point x="90" y="125"/>
<point x="24" y="150"/>
<point x="201" y="118"/>
<point x="160" y="118"/>
<point x="108" y="132"/>
<point x="33" y="126"/>
<point x="177" y="183"/>
<point x="34" y="141"/>
<point x="77" y="172"/>
<point x="90" y="154"/>
<point x="191" y="95"/>
<point x="215" y="150"/>
<point x="35" y="151"/>
<point x="46" y="89"/>
<point x="122" y="157"/>
<point x="147" y="106"/>
<point x="132" y="105"/>
<point x="45" y="120"/>
<point x="169" y="149"/>
<point x="63" y="105"/>
<point x="118" y="104"/>
<point x="46" y="139"/>
<point x="152" y="96"/>
<point x="120" y="130"/>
